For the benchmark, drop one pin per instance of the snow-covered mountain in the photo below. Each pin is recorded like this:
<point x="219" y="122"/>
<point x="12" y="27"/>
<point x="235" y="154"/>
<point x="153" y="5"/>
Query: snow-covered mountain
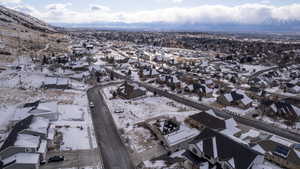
<point x="12" y="19"/>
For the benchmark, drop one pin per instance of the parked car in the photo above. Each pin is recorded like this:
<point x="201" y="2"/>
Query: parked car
<point x="43" y="162"/>
<point x="92" y="105"/>
<point x="56" y="159"/>
<point x="119" y="110"/>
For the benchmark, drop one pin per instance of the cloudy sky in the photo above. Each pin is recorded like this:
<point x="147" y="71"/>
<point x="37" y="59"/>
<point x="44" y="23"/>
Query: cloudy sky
<point x="170" y="11"/>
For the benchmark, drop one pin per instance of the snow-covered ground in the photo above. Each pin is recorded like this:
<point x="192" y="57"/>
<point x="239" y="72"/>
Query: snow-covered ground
<point x="139" y="110"/>
<point x="32" y="79"/>
<point x="253" y="68"/>
<point x="72" y="104"/>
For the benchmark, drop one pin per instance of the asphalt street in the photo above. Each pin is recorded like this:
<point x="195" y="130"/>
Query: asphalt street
<point x="113" y="151"/>
<point x="77" y="158"/>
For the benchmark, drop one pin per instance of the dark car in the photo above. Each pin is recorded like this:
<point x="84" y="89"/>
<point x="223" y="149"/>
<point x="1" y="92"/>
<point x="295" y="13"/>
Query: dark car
<point x="43" y="162"/>
<point x="56" y="159"/>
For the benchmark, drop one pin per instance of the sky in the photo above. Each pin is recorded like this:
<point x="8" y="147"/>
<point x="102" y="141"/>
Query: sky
<point x="167" y="11"/>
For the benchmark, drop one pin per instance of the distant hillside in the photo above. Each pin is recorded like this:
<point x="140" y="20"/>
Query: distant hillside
<point x="274" y="26"/>
<point x="9" y="18"/>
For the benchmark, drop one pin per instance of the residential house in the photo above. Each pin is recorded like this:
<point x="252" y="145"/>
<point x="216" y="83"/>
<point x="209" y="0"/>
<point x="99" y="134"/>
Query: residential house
<point x="280" y="151"/>
<point x="145" y="73"/>
<point x="206" y="120"/>
<point x="22" y="161"/>
<point x="171" y="133"/>
<point x="55" y="83"/>
<point x="235" y="98"/>
<point x="203" y="90"/>
<point x="47" y="110"/>
<point x="172" y="82"/>
<point x="128" y="91"/>
<point x="26" y="139"/>
<point x="282" y="109"/>
<point x="221" y="150"/>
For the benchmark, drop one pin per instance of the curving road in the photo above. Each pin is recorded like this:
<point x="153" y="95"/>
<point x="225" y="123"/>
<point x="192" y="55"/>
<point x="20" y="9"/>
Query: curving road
<point x="113" y="151"/>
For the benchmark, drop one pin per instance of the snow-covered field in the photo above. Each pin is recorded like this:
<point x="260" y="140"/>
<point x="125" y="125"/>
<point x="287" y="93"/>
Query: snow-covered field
<point x="32" y="79"/>
<point x="140" y="109"/>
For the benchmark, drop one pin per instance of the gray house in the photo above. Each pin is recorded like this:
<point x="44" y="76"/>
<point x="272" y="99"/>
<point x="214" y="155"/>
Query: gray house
<point x="224" y="152"/>
<point x="22" y="161"/>
<point x="25" y="140"/>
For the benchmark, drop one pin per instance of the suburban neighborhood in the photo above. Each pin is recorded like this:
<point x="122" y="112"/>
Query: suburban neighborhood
<point x="98" y="99"/>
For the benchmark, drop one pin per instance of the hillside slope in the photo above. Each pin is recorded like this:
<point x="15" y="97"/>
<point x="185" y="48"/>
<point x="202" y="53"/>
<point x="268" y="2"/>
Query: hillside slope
<point x="9" y="17"/>
<point x="23" y="37"/>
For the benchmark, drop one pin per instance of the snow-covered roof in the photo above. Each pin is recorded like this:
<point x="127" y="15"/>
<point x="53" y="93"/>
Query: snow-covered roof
<point x="246" y="100"/>
<point x="230" y="123"/>
<point x="258" y="148"/>
<point x="26" y="140"/>
<point x="274" y="108"/>
<point x="23" y="158"/>
<point x="183" y="134"/>
<point x="50" y="80"/>
<point x="43" y="147"/>
<point x="51" y="134"/>
<point x="296" y="89"/>
<point x="46" y="107"/>
<point x="228" y="97"/>
<point x="199" y="145"/>
<point x="231" y="162"/>
<point x="62" y="82"/>
<point x="209" y="81"/>
<point x="207" y="89"/>
<point x="281" y="141"/>
<point x="262" y="166"/>
<point x="39" y="124"/>
<point x="251" y="133"/>
<point x="147" y="72"/>
<point x="297" y="110"/>
<point x="21" y="113"/>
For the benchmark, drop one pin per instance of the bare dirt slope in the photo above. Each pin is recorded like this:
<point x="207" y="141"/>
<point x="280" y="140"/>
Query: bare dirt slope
<point x="23" y="37"/>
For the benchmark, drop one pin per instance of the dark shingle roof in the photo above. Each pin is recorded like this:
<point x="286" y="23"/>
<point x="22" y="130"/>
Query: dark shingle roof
<point x="227" y="149"/>
<point x="12" y="137"/>
<point x="285" y="107"/>
<point x="193" y="158"/>
<point x="209" y="121"/>
<point x="236" y="96"/>
<point x="33" y="104"/>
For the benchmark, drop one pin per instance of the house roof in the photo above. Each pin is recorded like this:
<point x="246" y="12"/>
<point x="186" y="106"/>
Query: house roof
<point x="26" y="140"/>
<point x="12" y="137"/>
<point x="226" y="149"/>
<point x="282" y="106"/>
<point x="33" y="104"/>
<point x="209" y="120"/>
<point x="236" y="96"/>
<point x="193" y="158"/>
<point x="280" y="147"/>
<point x="45" y="107"/>
<point x="23" y="158"/>
<point x="199" y="161"/>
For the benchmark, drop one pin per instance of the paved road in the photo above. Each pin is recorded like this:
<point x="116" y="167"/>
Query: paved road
<point x="78" y="158"/>
<point x="113" y="151"/>
<point x="267" y="70"/>
<point x="243" y="120"/>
